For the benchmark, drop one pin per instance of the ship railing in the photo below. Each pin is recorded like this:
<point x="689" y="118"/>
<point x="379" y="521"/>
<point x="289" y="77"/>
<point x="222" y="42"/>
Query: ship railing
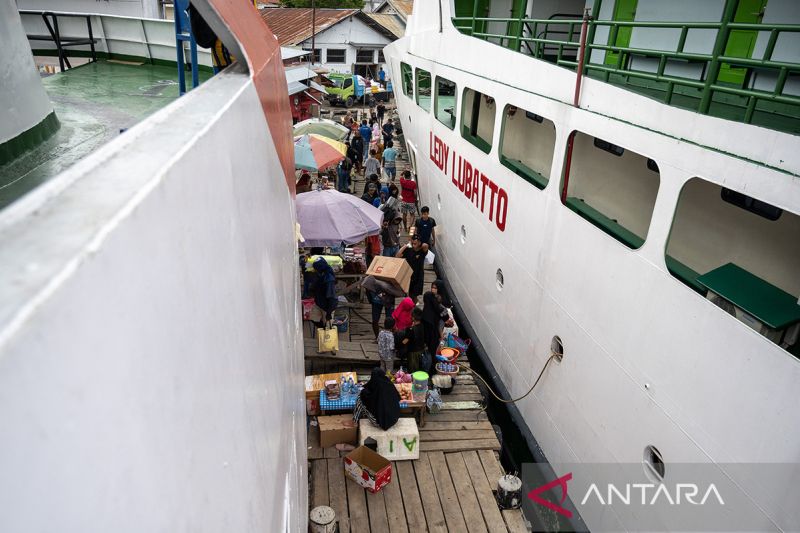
<point x="676" y="76"/>
<point x="113" y="37"/>
<point x="50" y="19"/>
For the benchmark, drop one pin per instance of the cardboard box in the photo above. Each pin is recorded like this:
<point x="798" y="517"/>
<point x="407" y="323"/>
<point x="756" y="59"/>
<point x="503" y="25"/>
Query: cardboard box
<point x="398" y="443"/>
<point x="316" y="383"/>
<point x="334" y="430"/>
<point x="368" y="469"/>
<point x="394" y="270"/>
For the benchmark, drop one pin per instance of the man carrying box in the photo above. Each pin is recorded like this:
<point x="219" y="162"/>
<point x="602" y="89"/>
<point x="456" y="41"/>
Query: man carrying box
<point x="414" y="253"/>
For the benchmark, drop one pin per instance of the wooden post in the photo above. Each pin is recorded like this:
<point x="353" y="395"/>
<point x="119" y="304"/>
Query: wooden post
<point x="313" y="30"/>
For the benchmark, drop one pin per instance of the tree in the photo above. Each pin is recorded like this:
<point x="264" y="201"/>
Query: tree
<point x="348" y="4"/>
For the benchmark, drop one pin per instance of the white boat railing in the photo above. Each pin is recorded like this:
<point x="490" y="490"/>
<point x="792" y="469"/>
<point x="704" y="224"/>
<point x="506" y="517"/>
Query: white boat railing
<point x="152" y="40"/>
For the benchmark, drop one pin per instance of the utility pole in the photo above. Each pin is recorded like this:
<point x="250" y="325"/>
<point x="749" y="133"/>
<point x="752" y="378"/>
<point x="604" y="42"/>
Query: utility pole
<point x="313" y="30"/>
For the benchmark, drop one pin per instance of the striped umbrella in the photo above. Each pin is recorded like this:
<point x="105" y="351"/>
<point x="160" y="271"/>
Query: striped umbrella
<point x="321" y="126"/>
<point x="315" y="152"/>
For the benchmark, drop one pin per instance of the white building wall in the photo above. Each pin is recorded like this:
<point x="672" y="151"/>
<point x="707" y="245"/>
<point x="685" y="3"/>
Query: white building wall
<point x="23" y="101"/>
<point x="150" y="351"/>
<point x="348" y="34"/>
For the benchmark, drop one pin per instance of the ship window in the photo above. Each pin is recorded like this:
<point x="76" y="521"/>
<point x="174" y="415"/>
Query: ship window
<point x="408" y="80"/>
<point x="608" y="147"/>
<point x="477" y="119"/>
<point x="424" y="89"/>
<point x="446" y="102"/>
<point x="336" y="55"/>
<point x="612" y="188"/>
<point x="716" y="245"/>
<point x="762" y="209"/>
<point x="527" y="143"/>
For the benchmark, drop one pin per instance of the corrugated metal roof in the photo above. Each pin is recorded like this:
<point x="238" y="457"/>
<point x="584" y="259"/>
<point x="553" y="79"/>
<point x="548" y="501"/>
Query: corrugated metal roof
<point x="391" y="22"/>
<point x="404" y="8"/>
<point x="296" y="87"/>
<point x="291" y="53"/>
<point x="292" y="25"/>
<point x="299" y="73"/>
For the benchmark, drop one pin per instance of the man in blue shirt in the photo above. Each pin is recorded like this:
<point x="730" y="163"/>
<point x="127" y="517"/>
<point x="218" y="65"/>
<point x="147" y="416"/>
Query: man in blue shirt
<point x="366" y="134"/>
<point x="381" y="75"/>
<point x="389" y="159"/>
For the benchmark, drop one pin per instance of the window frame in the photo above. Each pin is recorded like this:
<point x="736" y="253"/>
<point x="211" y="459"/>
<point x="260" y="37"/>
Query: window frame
<point x="365" y="50"/>
<point x="344" y="55"/>
<point x="317" y="53"/>
<point x="435" y="105"/>
<point x="466" y="130"/>
<point x="537" y="180"/>
<point x="620" y="233"/>
<point x="417" y="71"/>
<point x="381" y="58"/>
<point x="407" y="79"/>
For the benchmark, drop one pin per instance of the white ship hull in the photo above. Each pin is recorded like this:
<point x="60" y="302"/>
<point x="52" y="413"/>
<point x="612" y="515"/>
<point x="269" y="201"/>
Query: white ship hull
<point x="150" y="350"/>
<point x="646" y="360"/>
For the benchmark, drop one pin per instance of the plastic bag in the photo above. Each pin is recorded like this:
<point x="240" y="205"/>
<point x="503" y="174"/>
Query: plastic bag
<point x="434" y="401"/>
<point x="328" y="339"/>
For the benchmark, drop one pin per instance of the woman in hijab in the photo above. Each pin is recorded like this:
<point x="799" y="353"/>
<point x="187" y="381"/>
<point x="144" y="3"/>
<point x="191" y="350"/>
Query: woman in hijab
<point x="433" y="315"/>
<point x="402" y="315"/>
<point x="379" y="401"/>
<point x="449" y="326"/>
<point x="438" y="288"/>
<point x="324" y="290"/>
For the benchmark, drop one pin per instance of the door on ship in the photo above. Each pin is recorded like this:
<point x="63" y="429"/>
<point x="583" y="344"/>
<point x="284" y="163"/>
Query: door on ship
<point x="624" y="11"/>
<point x="741" y="42"/>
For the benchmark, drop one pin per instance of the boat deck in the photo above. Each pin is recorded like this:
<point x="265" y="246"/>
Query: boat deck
<point x="93" y="102"/>
<point x="449" y="488"/>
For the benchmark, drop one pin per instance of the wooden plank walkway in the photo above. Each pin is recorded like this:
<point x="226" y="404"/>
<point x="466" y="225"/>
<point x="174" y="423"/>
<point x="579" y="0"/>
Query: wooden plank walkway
<point x="449" y="488"/>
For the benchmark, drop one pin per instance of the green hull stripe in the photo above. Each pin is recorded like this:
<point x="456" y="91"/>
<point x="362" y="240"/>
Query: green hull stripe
<point x="31" y="138"/>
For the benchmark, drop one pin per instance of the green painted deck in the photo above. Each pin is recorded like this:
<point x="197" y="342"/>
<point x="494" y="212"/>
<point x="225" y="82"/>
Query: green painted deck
<point x="92" y="102"/>
<point x="769" y="304"/>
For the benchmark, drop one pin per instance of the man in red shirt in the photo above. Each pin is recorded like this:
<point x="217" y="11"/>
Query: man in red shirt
<point x="408" y="196"/>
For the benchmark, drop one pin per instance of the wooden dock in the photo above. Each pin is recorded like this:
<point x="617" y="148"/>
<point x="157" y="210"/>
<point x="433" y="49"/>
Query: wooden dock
<point x="449" y="488"/>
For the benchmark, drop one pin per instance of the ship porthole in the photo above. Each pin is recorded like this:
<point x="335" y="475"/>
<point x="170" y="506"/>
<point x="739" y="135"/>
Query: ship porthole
<point x="653" y="462"/>
<point x="557" y="347"/>
<point x="499" y="279"/>
<point x="439" y="201"/>
<point x="463" y="234"/>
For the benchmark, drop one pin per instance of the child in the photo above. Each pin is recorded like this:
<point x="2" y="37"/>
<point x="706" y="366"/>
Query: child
<point x="386" y="345"/>
<point x="414" y="341"/>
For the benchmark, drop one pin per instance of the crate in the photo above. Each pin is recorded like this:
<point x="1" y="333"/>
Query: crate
<point x="398" y="443"/>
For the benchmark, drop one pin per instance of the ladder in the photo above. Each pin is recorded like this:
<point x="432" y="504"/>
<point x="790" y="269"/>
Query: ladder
<point x="183" y="33"/>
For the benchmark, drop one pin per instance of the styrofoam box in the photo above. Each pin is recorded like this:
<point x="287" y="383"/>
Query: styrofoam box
<point x="398" y="443"/>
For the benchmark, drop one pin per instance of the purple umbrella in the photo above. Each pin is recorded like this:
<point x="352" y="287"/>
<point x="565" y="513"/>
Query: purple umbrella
<point x="328" y="217"/>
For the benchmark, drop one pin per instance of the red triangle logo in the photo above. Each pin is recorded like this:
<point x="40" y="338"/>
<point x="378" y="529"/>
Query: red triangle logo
<point x="560" y="482"/>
